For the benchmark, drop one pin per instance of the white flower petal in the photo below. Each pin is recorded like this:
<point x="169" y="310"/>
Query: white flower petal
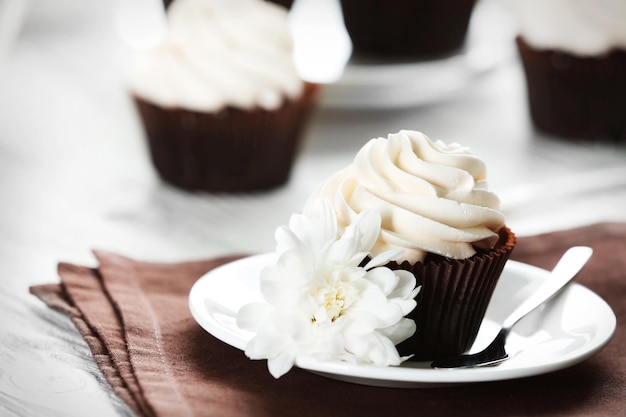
<point x="374" y="348"/>
<point x="281" y="364"/>
<point x="384" y="258"/>
<point x="399" y="332"/>
<point x="278" y="293"/>
<point x="357" y="258"/>
<point x="357" y="240"/>
<point x="352" y="274"/>
<point x="415" y="292"/>
<point x="367" y="224"/>
<point x="286" y="240"/>
<point x="371" y="295"/>
<point x="295" y="267"/>
<point x="384" y="278"/>
<point x="386" y="314"/>
<point x="406" y="306"/>
<point x="300" y="226"/>
<point x="265" y="344"/>
<point x="341" y="252"/>
<point x="252" y="316"/>
<point x="320" y="315"/>
<point x="305" y="234"/>
<point x="359" y="324"/>
<point x="405" y="287"/>
<point x="273" y="292"/>
<point x="322" y="215"/>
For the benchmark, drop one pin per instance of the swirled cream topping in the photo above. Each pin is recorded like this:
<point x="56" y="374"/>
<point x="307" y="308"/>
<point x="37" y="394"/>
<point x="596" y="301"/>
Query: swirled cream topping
<point x="219" y="53"/>
<point x="581" y="27"/>
<point x="432" y="197"/>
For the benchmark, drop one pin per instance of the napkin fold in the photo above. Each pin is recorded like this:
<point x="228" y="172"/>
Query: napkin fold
<point x="134" y="316"/>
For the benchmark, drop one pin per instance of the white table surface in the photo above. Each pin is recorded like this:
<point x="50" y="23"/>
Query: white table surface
<point x="75" y="175"/>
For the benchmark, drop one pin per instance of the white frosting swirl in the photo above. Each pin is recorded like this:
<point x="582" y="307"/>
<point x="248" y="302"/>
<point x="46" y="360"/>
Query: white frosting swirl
<point x="580" y="27"/>
<point x="432" y="197"/>
<point x="219" y="53"/>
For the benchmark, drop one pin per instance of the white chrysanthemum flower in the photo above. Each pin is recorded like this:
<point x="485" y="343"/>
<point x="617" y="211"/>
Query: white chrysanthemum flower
<point x="319" y="302"/>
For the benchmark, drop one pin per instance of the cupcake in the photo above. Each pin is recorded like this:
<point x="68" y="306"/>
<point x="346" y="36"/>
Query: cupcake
<point x="406" y="28"/>
<point x="574" y="60"/>
<point x="285" y="3"/>
<point x="445" y="225"/>
<point x="220" y="99"/>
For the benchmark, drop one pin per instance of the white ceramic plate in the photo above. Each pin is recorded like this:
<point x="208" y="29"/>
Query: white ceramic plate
<point x="557" y="335"/>
<point x="386" y="85"/>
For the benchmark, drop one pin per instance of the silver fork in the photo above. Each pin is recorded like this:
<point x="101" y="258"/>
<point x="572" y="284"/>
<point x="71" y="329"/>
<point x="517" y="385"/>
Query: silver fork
<point x="565" y="270"/>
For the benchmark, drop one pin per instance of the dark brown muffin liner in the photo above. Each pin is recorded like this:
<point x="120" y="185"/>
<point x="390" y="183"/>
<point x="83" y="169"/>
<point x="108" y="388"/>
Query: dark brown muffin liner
<point x="453" y="300"/>
<point x="576" y="97"/>
<point x="234" y="150"/>
<point x="406" y="28"/>
<point x="285" y="3"/>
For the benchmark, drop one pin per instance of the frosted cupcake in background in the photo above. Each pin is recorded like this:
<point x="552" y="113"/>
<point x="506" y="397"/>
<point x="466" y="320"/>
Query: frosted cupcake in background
<point x="446" y="227"/>
<point x="284" y="3"/>
<point x="574" y="57"/>
<point x="221" y="101"/>
<point x="406" y="28"/>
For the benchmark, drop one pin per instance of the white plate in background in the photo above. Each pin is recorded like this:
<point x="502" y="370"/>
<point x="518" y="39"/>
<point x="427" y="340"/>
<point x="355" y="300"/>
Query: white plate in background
<point x="323" y="48"/>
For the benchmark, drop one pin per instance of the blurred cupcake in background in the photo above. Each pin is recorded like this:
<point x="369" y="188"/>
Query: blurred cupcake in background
<point x="220" y="99"/>
<point x="285" y="3"/>
<point x="574" y="57"/>
<point x="406" y="28"/>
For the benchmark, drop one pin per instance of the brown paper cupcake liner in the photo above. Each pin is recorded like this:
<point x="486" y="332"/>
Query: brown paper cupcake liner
<point x="453" y="300"/>
<point x="406" y="28"/>
<point x="576" y="97"/>
<point x="285" y="3"/>
<point x="234" y="150"/>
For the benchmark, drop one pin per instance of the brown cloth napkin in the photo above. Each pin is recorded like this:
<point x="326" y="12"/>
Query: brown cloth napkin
<point x="135" y="318"/>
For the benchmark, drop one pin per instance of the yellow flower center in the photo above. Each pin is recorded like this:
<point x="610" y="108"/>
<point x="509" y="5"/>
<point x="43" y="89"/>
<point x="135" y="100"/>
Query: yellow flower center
<point x="332" y="302"/>
<point x="334" y="305"/>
